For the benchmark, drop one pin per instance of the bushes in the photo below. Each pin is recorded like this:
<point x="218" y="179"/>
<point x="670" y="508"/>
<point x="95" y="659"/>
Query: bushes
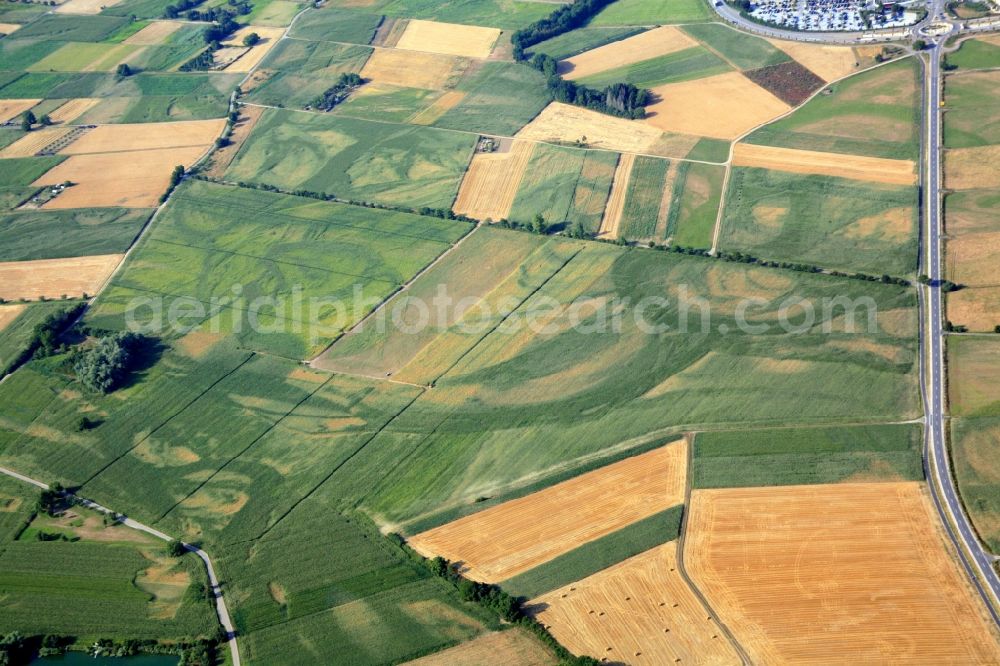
<point x="102" y="368"/>
<point x="338" y="92"/>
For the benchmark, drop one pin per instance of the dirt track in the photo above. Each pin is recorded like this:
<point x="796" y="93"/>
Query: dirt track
<point x="511" y="538"/>
<point x="808" y="574"/>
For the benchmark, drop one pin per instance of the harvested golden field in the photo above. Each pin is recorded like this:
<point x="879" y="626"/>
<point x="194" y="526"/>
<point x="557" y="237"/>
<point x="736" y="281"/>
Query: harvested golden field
<point x="612" y="220"/>
<point x="12" y="108"/>
<point x="223" y="157"/>
<point x="132" y="180"/>
<point x="639" y="611"/>
<point x="513" y="646"/>
<point x="810" y="574"/>
<point x="9" y="28"/>
<point x="644" y="46"/>
<point x="73" y="109"/>
<point x="154" y="34"/>
<point x="491" y="182"/>
<point x="564" y="123"/>
<point x="975" y="307"/>
<point x="147" y="136"/>
<point x="85" y="6"/>
<point x="448" y="38"/>
<point x="32" y="142"/>
<point x="725" y="106"/>
<point x="827" y="62"/>
<point x="431" y="71"/>
<point x="973" y="258"/>
<point x="8" y="313"/>
<point x="54" y="278"/>
<point x="441" y="106"/>
<point x="857" y="167"/>
<point x="268" y="38"/>
<point x="518" y="535"/>
<point x="971" y="168"/>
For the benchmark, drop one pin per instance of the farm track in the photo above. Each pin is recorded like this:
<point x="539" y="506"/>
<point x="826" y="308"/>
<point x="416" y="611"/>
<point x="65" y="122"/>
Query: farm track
<point x="221" y="610"/>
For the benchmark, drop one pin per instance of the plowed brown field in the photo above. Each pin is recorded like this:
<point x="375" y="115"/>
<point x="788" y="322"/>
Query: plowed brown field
<point x="639" y="611"/>
<point x="868" y="169"/>
<point x="491" y="182"/>
<point x="505" y="540"/>
<point x="448" y="38"/>
<point x="612" y="220"/>
<point x="820" y="574"/>
<point x="644" y="46"/>
<point x="53" y="278"/>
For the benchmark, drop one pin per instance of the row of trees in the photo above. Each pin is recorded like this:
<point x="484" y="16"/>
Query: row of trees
<point x="338" y="92"/>
<point x="619" y="99"/>
<point x="566" y="18"/>
<point x="45" y="337"/>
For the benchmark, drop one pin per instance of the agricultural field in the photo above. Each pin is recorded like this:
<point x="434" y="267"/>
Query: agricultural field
<point x="644" y="46"/>
<point x="973" y="367"/>
<point x="823" y="220"/>
<point x="651" y="12"/>
<point x="27" y="234"/>
<point x="492" y="181"/>
<point x="56" y="278"/>
<point x="694" y="207"/>
<point x="556" y="520"/>
<point x="797" y="456"/>
<point x="510" y="646"/>
<point x="975" y="442"/>
<point x="825" y="554"/>
<point x="874" y="113"/>
<point x="979" y="53"/>
<point x="17" y="323"/>
<point x="355" y="159"/>
<point x="967" y="95"/>
<point x="297" y="71"/>
<point x="639" y="611"/>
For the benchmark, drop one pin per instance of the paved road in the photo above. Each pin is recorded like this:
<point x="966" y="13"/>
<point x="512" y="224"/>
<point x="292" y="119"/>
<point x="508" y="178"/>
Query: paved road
<point x="932" y="371"/>
<point x="220" y="604"/>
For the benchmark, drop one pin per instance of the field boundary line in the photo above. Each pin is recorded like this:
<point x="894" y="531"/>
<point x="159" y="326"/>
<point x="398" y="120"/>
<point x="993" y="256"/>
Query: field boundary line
<point x="682" y="569"/>
<point x="256" y="439"/>
<point x="221" y="610"/>
<point x="167" y="420"/>
<point x="338" y="466"/>
<point x="399" y="289"/>
<point x="507" y="316"/>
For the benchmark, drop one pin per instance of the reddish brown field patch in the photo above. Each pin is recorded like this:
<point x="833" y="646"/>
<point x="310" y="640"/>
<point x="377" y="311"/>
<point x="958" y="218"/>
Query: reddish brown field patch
<point x="788" y="81"/>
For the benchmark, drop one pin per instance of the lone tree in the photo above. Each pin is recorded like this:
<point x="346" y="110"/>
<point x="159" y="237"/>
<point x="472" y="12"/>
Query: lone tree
<point x="123" y="71"/>
<point x="251" y="40"/>
<point x="27" y="120"/>
<point x="176" y="548"/>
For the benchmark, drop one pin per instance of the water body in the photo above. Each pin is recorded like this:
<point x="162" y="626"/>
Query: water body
<point x="84" y="659"/>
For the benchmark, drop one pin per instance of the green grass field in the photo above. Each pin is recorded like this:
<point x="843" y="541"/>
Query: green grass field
<point x="972" y="100"/>
<point x="872" y="113"/>
<point x="598" y="555"/>
<point x="19" y="54"/>
<point x="795" y="456"/>
<point x="505" y="14"/>
<point x="830" y="222"/>
<point x="304" y="69"/>
<point x="975" y="54"/>
<point x="22" y="171"/>
<point x="577" y="41"/>
<point x="695" y="208"/>
<point x="565" y="185"/>
<point x="78" y="57"/>
<point x="14" y="338"/>
<point x="644" y="197"/>
<point x="17" y="504"/>
<point x="355" y="159"/>
<point x="976" y="442"/>
<point x="388" y="103"/>
<point x="28" y="235"/>
<point x="72" y="28"/>
<point x="710" y="150"/>
<point x="334" y="25"/>
<point x="693" y="63"/>
<point x="274" y="246"/>
<point x="277" y="13"/>
<point x="653" y="12"/>
<point x="744" y="51"/>
<point x="973" y="369"/>
<point x="501" y="98"/>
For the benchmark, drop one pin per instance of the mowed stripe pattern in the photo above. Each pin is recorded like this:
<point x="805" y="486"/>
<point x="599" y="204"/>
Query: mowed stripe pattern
<point x="491" y="182"/>
<point x="637" y="612"/>
<point x="857" y="167"/>
<point x="645" y="46"/>
<point x="809" y="574"/>
<point x="612" y="220"/>
<point x="511" y="538"/>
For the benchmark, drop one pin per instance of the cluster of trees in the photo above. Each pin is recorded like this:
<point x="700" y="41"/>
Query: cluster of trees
<point x="28" y="120"/>
<point x="44" y="339"/>
<point x="17" y="649"/>
<point x="619" y="99"/>
<point x="338" y="92"/>
<point x="566" y="18"/>
<point x="174" y="11"/>
<point x="103" y="367"/>
<point x="52" y="500"/>
<point x="176" y="176"/>
<point x="201" y="62"/>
